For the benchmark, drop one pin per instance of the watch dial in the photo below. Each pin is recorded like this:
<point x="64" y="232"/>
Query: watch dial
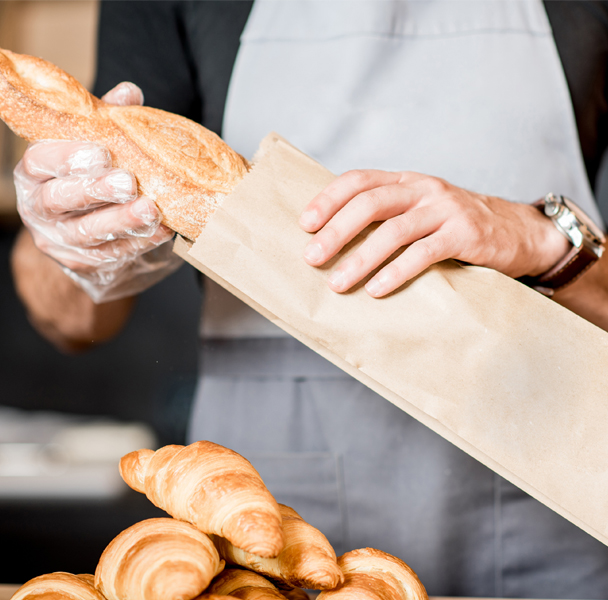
<point x="587" y="226"/>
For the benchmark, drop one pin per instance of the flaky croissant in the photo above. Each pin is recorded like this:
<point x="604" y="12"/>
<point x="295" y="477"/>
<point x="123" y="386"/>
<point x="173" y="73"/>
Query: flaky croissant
<point x="212" y="487"/>
<point x="295" y="594"/>
<point x="245" y="585"/>
<point x="307" y="559"/>
<point x="186" y="169"/>
<point x="157" y="559"/>
<point x="59" y="586"/>
<point x="213" y="597"/>
<point x="375" y="575"/>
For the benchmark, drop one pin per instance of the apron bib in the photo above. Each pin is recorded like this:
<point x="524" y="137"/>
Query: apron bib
<point x="469" y="91"/>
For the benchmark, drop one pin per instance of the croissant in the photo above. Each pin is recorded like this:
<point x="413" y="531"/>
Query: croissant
<point x="375" y="575"/>
<point x="186" y="169"/>
<point x="295" y="594"/>
<point x="212" y="487"/>
<point x="307" y="559"/>
<point x="213" y="597"/>
<point x="245" y="585"/>
<point x="58" y="586"/>
<point x="157" y="559"/>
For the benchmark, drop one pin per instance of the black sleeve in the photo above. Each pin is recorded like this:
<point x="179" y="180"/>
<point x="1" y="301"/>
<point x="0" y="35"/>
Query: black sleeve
<point x="144" y="42"/>
<point x="580" y="30"/>
<point x="213" y="30"/>
<point x="181" y="53"/>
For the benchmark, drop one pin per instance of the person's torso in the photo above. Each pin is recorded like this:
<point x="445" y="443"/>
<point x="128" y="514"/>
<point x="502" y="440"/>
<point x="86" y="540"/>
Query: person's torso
<point x="472" y="92"/>
<point x="354" y="465"/>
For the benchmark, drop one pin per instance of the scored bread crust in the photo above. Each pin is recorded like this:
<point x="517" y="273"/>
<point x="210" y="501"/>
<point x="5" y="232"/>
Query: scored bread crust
<point x="186" y="169"/>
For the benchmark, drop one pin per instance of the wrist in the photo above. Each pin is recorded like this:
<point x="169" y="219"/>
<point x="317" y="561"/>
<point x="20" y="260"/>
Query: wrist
<point x="56" y="306"/>
<point x="585" y="240"/>
<point x="551" y="246"/>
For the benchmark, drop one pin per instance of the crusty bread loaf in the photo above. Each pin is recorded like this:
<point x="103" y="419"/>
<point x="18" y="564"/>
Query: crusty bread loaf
<point x="186" y="169"/>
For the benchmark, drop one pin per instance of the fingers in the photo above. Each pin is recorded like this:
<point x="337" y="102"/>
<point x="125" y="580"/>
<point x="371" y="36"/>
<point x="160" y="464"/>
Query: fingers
<point x="413" y="261"/>
<point x="338" y="193"/>
<point x="61" y="158"/>
<point x="78" y="193"/>
<point x="72" y="241"/>
<point x="139" y="218"/>
<point x="377" y="204"/>
<point x="109" y="256"/>
<point x="379" y="246"/>
<point x="433" y="219"/>
<point x="124" y="94"/>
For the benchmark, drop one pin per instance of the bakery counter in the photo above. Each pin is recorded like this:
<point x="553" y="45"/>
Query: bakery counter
<point x="7" y="590"/>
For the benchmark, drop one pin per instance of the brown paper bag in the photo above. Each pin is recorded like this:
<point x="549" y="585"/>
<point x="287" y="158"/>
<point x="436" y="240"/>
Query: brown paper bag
<point x="515" y="380"/>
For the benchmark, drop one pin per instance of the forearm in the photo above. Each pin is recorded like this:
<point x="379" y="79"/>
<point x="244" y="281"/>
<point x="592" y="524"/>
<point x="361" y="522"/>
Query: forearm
<point x="588" y="296"/>
<point x="58" y="309"/>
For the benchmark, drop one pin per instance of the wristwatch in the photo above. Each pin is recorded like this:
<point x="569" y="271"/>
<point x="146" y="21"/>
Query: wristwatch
<point x="587" y="241"/>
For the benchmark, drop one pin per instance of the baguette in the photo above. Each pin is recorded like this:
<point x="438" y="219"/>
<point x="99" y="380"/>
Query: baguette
<point x="184" y="168"/>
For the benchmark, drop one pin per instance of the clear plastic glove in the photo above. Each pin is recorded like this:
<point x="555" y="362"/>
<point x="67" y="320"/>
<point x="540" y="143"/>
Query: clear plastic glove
<point x="87" y="216"/>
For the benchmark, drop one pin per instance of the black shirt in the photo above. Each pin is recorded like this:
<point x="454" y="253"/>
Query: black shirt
<point x="181" y="53"/>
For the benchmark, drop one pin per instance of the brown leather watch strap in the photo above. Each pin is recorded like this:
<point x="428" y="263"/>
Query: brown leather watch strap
<point x="566" y="271"/>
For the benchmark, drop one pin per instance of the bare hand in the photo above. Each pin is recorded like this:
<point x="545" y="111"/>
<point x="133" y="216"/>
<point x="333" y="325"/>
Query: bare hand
<point x="433" y="219"/>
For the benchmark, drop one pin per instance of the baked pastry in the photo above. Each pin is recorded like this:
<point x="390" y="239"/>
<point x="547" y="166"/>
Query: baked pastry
<point x="58" y="586"/>
<point x="186" y="169"/>
<point x="212" y="487"/>
<point x="213" y="597"/>
<point x="307" y="559"/>
<point x="295" y="594"/>
<point x="157" y="559"/>
<point x="375" y="575"/>
<point x="245" y="585"/>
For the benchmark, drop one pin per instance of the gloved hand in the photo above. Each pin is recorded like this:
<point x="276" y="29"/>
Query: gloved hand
<point x="87" y="216"/>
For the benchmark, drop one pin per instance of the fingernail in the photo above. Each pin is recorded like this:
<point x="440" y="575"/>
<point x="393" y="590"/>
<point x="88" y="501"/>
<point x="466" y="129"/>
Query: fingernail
<point x="145" y="211"/>
<point x="124" y="94"/>
<point x="88" y="159"/>
<point x="337" y="279"/>
<point x="313" y="253"/>
<point x="308" y="219"/>
<point x="121" y="183"/>
<point x="374" y="287"/>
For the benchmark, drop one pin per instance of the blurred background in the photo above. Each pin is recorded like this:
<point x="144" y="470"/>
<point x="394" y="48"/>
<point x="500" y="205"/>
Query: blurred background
<point x="65" y="420"/>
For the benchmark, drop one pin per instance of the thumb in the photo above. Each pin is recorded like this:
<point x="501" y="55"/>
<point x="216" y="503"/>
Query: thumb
<point x="124" y="94"/>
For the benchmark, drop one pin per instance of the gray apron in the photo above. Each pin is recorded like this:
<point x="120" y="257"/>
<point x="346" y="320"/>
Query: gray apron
<point x="470" y="91"/>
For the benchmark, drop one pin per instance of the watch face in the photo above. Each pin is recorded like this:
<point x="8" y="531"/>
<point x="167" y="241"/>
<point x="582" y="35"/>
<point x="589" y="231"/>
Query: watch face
<point x="581" y="221"/>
